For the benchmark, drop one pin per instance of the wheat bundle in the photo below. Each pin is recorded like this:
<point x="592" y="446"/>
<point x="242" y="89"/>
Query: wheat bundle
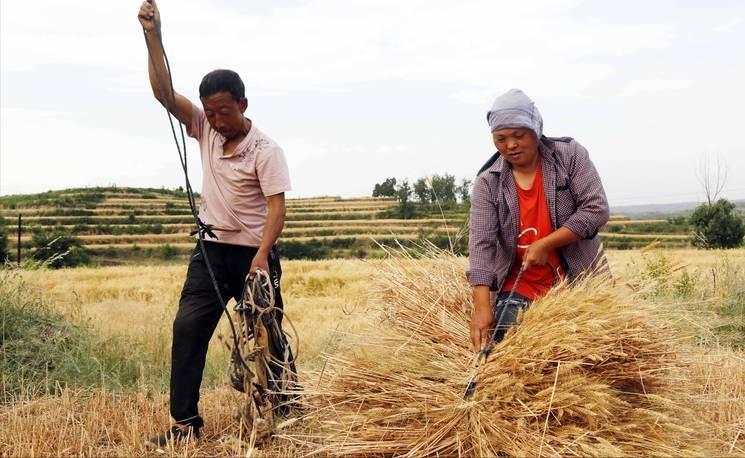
<point x="590" y="370"/>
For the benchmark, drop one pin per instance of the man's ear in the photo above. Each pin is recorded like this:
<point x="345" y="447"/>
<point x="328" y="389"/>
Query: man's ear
<point x="243" y="104"/>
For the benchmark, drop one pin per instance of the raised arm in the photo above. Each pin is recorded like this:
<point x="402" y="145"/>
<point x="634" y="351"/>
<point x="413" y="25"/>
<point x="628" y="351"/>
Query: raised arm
<point x="149" y="17"/>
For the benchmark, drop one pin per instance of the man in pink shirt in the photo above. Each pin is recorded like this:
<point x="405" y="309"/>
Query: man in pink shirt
<point x="245" y="178"/>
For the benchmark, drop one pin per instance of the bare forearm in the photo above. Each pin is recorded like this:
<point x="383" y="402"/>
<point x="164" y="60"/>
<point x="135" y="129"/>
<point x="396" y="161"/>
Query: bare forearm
<point x="158" y="82"/>
<point x="275" y="222"/>
<point x="559" y="238"/>
<point x="482" y="318"/>
<point x="481" y="297"/>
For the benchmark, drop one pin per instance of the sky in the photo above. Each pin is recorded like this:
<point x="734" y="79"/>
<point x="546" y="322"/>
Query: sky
<point x="358" y="91"/>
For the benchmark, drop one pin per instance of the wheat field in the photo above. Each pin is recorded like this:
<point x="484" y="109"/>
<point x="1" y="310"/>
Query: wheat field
<point x="330" y="303"/>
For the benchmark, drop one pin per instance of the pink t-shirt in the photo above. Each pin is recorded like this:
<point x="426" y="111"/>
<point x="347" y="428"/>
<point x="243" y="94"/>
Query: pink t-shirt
<point x="235" y="187"/>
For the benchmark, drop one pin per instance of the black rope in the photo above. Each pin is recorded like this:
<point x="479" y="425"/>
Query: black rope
<point x="202" y="229"/>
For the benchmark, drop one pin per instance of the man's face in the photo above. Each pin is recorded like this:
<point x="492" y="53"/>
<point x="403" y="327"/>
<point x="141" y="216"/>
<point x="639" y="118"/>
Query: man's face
<point x="224" y="113"/>
<point x="518" y="146"/>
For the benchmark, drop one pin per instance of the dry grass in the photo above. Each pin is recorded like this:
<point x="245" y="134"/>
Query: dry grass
<point x="591" y="370"/>
<point x="324" y="298"/>
<point x="333" y="304"/>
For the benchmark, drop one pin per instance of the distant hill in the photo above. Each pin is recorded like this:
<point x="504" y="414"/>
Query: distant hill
<point x="119" y="225"/>
<point x="661" y="210"/>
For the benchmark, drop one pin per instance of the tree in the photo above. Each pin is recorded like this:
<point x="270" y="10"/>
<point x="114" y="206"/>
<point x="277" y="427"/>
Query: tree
<point x="422" y="191"/>
<point x="717" y="226"/>
<point x="464" y="191"/>
<point x="443" y="188"/>
<point x="385" y="189"/>
<point x="406" y="208"/>
<point x="712" y="178"/>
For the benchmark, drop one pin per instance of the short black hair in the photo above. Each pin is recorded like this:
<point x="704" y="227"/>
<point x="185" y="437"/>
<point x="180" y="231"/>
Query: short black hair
<point x="221" y="80"/>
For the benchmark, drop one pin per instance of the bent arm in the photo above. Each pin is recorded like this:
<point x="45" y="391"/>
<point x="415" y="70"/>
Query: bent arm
<point x="590" y="200"/>
<point x="275" y="222"/>
<point x="482" y="246"/>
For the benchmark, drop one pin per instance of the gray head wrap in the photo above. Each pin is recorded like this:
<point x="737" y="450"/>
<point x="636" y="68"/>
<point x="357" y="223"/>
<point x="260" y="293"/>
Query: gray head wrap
<point x="515" y="109"/>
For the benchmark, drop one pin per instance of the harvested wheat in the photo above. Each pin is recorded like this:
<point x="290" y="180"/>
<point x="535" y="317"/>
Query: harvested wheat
<point x="591" y="370"/>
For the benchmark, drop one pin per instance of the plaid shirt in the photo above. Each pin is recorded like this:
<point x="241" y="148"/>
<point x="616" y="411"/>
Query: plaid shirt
<point x="576" y="200"/>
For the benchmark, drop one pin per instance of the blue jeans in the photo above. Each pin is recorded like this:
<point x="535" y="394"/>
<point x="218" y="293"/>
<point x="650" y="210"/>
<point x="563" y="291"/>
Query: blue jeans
<point x="508" y="311"/>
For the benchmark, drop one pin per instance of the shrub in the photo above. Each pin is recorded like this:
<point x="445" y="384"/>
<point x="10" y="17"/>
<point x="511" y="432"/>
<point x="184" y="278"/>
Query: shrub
<point x="58" y="251"/>
<point x="168" y="252"/>
<point x="717" y="225"/>
<point x="312" y="249"/>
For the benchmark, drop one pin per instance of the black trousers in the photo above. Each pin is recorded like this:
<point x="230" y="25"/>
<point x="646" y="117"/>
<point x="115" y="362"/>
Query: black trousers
<point x="508" y="311"/>
<point x="198" y="314"/>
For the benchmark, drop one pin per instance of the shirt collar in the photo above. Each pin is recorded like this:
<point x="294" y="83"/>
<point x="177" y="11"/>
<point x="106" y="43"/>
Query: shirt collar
<point x="245" y="146"/>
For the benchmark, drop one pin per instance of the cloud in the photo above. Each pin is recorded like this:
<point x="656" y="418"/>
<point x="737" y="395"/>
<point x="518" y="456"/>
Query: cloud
<point x="51" y="149"/>
<point x="325" y="45"/>
<point x="359" y="91"/>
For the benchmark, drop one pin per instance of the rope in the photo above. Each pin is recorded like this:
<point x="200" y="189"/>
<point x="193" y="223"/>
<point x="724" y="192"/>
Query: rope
<point x="257" y="302"/>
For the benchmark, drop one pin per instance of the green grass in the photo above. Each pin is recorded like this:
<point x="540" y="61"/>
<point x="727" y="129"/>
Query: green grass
<point x="657" y="227"/>
<point x="41" y="351"/>
<point x="715" y="294"/>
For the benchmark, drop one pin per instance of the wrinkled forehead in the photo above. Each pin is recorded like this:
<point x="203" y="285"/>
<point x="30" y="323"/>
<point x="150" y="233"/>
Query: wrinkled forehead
<point x="219" y="100"/>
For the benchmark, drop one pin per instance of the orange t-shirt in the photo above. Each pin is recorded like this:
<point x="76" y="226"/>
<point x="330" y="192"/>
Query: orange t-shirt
<point x="535" y="223"/>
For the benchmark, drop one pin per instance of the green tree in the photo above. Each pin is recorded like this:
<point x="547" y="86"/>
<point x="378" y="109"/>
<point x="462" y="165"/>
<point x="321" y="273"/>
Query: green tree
<point x="717" y="225"/>
<point x="385" y="189"/>
<point x="422" y="191"/>
<point x="443" y="188"/>
<point x="406" y="208"/>
<point x="58" y="251"/>
<point x="464" y="191"/>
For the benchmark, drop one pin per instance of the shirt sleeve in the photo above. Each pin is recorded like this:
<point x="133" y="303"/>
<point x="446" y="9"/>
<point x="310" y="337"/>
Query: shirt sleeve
<point x="196" y="129"/>
<point x="482" y="238"/>
<point x="592" y="205"/>
<point x="272" y="171"/>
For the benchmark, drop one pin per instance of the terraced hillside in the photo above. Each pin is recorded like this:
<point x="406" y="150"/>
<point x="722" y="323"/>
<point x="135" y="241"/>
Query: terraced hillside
<point x="117" y="225"/>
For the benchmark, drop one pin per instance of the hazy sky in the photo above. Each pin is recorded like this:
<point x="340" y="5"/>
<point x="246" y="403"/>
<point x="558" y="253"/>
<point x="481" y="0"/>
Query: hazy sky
<point x="357" y="91"/>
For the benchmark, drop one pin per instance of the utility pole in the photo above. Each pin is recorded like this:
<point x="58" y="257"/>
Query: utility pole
<point x="18" y="257"/>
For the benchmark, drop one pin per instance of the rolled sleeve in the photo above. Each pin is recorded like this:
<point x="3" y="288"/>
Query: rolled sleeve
<point x="482" y="241"/>
<point x="592" y="205"/>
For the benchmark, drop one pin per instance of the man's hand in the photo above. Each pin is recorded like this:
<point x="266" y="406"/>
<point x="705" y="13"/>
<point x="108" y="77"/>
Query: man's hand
<point x="149" y="16"/>
<point x="482" y="319"/>
<point x="260" y="262"/>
